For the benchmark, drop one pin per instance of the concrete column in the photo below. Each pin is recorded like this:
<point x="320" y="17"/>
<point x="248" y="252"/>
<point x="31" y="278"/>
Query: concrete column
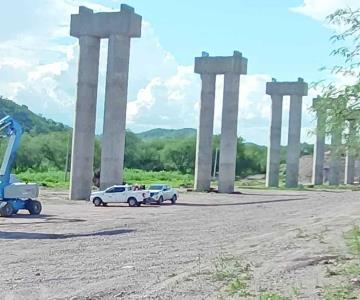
<point x="293" y="149"/>
<point x="85" y="116"/>
<point x="205" y="133"/>
<point x="228" y="143"/>
<point x="350" y="161"/>
<point x="335" y="158"/>
<point x="349" y="169"/>
<point x="319" y="151"/>
<point x="113" y="140"/>
<point x="273" y="157"/>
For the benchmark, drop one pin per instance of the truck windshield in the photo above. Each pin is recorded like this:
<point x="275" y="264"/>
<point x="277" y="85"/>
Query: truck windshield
<point x="156" y="187"/>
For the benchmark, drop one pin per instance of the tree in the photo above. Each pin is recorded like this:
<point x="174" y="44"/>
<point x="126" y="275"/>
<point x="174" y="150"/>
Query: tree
<point x="342" y="103"/>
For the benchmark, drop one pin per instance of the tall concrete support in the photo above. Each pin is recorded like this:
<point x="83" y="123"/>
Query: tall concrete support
<point x="85" y="116"/>
<point x="273" y="161"/>
<point x="296" y="90"/>
<point x="319" y="148"/>
<point x="112" y="152"/>
<point x="293" y="150"/>
<point x="232" y="67"/>
<point x="350" y="160"/>
<point x="349" y="168"/>
<point x="89" y="28"/>
<point x="335" y="157"/>
<point x="203" y="161"/>
<point x="228" y="143"/>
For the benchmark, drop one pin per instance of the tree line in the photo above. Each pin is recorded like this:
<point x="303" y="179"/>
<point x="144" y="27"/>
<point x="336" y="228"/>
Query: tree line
<point x="44" y="152"/>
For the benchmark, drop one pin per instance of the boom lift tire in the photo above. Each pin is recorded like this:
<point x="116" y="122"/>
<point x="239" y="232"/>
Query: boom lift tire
<point x="34" y="207"/>
<point x="6" y="209"/>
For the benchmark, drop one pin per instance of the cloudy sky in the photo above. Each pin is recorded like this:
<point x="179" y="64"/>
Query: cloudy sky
<point x="281" y="39"/>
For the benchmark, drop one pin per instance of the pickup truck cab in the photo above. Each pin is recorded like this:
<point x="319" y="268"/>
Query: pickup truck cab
<point x="163" y="192"/>
<point x="120" y="194"/>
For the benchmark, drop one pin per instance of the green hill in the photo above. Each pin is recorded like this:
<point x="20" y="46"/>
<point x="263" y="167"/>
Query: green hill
<point x="30" y="121"/>
<point x="160" y="133"/>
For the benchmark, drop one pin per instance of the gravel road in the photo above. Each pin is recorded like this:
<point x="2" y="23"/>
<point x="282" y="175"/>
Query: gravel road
<point x="78" y="251"/>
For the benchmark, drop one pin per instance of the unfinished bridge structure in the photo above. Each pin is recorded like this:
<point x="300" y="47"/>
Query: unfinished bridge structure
<point x="89" y="27"/>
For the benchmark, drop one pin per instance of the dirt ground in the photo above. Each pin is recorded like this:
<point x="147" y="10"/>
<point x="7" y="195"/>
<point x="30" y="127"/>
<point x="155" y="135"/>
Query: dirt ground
<point x="77" y="251"/>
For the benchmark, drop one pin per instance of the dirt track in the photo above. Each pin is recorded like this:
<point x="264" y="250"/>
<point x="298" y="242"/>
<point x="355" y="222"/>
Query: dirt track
<point x="77" y="251"/>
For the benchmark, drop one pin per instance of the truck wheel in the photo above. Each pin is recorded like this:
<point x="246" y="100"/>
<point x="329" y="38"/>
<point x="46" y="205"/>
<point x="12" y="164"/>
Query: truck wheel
<point x="132" y="202"/>
<point x="6" y="210"/>
<point x="161" y="200"/>
<point x="173" y="199"/>
<point x="97" y="201"/>
<point x="34" y="207"/>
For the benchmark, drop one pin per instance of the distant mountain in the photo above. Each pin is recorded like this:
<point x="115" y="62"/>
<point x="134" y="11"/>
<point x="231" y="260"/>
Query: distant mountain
<point x="160" y="133"/>
<point x="30" y="121"/>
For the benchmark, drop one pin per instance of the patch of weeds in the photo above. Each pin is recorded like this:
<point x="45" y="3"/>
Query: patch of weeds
<point x="234" y="273"/>
<point x="266" y="295"/>
<point x="296" y="291"/>
<point x="238" y="286"/>
<point x="352" y="269"/>
<point x="338" y="293"/>
<point x="347" y="269"/>
<point x="353" y="240"/>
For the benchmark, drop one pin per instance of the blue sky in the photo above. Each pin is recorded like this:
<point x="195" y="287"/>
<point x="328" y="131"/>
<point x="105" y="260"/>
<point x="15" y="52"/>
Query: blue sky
<point x="281" y="39"/>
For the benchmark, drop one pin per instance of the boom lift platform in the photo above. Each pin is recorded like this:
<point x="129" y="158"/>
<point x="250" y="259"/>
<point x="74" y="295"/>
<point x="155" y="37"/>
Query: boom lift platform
<point x="15" y="195"/>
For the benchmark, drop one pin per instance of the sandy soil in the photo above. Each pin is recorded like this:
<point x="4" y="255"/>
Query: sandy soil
<point x="77" y="251"/>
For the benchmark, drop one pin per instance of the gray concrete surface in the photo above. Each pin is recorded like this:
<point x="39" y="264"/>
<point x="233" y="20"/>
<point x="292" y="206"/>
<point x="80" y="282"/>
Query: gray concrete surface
<point x="228" y="139"/>
<point x="273" y="156"/>
<point x="296" y="90"/>
<point x="232" y="67"/>
<point x="203" y="161"/>
<point x="350" y="160"/>
<point x="118" y="27"/>
<point x="85" y="117"/>
<point x="349" y="168"/>
<point x="335" y="157"/>
<point x="77" y="251"/>
<point x="104" y="24"/>
<point x="293" y="149"/>
<point x="319" y="148"/>
<point x="113" y="140"/>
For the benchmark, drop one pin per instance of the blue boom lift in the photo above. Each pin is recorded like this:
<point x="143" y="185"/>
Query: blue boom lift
<point x="14" y="195"/>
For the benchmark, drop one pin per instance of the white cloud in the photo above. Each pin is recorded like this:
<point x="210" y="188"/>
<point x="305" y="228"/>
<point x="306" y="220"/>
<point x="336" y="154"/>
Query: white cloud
<point x="320" y="9"/>
<point x="38" y="68"/>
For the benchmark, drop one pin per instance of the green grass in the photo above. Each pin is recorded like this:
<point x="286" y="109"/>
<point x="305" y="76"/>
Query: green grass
<point x="173" y="178"/>
<point x="234" y="273"/>
<point x="271" y="296"/>
<point x="353" y="240"/>
<point x="56" y="179"/>
<point x="350" y="269"/>
<point x="338" y="293"/>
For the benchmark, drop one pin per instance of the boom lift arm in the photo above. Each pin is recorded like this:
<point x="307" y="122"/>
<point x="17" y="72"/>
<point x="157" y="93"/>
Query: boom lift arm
<point x="14" y="195"/>
<point x="13" y="130"/>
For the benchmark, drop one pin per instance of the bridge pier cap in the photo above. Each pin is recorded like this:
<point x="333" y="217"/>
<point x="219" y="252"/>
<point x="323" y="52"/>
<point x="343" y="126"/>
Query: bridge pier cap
<point x="104" y="24"/>
<point x="299" y="88"/>
<point x="207" y="64"/>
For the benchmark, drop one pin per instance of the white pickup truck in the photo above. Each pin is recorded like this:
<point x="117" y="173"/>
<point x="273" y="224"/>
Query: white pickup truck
<point x="163" y="192"/>
<point x="120" y="194"/>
